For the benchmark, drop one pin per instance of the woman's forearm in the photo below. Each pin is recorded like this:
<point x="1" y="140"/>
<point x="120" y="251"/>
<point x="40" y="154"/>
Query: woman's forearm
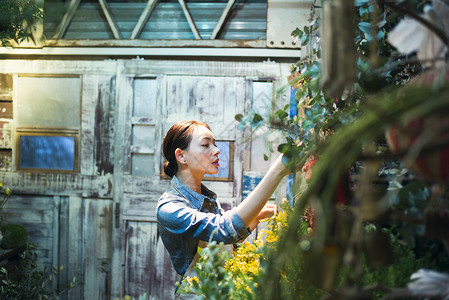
<point x="253" y="204"/>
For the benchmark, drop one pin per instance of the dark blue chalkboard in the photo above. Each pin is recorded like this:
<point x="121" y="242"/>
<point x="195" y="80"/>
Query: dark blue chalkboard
<point x="47" y="152"/>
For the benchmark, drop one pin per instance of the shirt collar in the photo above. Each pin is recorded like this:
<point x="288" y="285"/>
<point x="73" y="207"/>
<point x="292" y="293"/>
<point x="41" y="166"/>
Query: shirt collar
<point x="193" y="197"/>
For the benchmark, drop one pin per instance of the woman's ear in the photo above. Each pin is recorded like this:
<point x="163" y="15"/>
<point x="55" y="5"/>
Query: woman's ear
<point x="179" y="154"/>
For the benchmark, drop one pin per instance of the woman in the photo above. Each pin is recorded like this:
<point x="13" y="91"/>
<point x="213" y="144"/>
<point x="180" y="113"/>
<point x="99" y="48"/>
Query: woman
<point x="188" y="213"/>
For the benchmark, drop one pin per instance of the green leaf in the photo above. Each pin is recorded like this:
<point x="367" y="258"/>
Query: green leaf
<point x="297" y="32"/>
<point x="257" y="119"/>
<point x="304" y="39"/>
<point x="239" y="117"/>
<point x="313" y="70"/>
<point x="365" y="27"/>
<point x="281" y="114"/>
<point x="283" y="148"/>
<point x="306" y="30"/>
<point x="286" y="160"/>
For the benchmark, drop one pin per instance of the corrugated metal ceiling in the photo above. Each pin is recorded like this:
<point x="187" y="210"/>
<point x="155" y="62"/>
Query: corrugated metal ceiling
<point x="246" y="21"/>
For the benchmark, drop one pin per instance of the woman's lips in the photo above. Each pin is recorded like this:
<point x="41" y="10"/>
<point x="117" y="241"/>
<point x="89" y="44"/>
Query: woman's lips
<point x="215" y="163"/>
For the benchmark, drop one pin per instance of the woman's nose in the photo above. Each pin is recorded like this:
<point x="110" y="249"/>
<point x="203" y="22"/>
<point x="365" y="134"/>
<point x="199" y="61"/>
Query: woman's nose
<point x="217" y="150"/>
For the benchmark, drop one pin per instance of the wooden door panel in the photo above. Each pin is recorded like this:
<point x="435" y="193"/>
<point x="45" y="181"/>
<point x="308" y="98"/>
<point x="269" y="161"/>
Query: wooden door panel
<point x="148" y="266"/>
<point x="97" y="238"/>
<point x="214" y="99"/>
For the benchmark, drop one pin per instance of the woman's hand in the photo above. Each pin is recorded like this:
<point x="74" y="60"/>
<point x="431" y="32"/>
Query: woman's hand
<point x="267" y="211"/>
<point x="279" y="167"/>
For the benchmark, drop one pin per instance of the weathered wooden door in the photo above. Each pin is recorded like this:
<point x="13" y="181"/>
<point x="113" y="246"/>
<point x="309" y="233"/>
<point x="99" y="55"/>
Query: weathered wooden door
<point x="98" y="220"/>
<point x="153" y="104"/>
<point x="66" y="110"/>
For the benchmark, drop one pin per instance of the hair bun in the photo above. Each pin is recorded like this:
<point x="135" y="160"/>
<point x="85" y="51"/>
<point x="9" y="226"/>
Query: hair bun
<point x="170" y="169"/>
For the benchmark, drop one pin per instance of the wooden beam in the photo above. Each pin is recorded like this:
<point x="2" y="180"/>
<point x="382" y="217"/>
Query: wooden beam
<point x="161" y="52"/>
<point x="110" y="19"/>
<point x="189" y="19"/>
<point x="157" y="43"/>
<point x="222" y="19"/>
<point x="143" y="19"/>
<point x="66" y="19"/>
<point x="89" y="186"/>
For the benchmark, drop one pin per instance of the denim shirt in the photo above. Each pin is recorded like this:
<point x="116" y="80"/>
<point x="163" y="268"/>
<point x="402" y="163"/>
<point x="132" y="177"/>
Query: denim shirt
<point x="185" y="217"/>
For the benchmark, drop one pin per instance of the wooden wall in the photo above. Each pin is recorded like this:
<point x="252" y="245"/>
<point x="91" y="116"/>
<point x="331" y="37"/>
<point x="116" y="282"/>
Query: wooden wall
<point x="99" y="222"/>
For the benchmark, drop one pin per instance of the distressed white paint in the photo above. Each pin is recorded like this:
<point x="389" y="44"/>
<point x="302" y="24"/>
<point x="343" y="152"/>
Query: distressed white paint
<point x="81" y="208"/>
<point x="97" y="253"/>
<point x="149" y="270"/>
<point x="284" y="16"/>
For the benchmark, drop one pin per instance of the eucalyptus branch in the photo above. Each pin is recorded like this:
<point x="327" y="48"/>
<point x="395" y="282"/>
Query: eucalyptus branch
<point x="405" y="10"/>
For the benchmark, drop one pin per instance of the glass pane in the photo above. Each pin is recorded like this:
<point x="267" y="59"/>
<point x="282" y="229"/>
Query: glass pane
<point x="144" y="136"/>
<point x="145" y="91"/>
<point x="48" y="102"/>
<point x="262" y="104"/>
<point x="262" y="96"/>
<point x="142" y="165"/>
<point x="89" y="22"/>
<point x="223" y="170"/>
<point x="246" y="21"/>
<point x="47" y="152"/>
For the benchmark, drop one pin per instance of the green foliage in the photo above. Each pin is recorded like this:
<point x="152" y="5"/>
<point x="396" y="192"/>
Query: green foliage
<point x="341" y="152"/>
<point x="293" y="280"/>
<point x="406" y="261"/>
<point x="347" y="133"/>
<point x="34" y="284"/>
<point x="5" y="194"/>
<point x="14" y="235"/>
<point x="213" y="281"/>
<point x="16" y="20"/>
<point x="378" y="67"/>
<point x="240" y="277"/>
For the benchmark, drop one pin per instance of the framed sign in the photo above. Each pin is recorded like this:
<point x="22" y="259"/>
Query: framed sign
<point x="47" y="152"/>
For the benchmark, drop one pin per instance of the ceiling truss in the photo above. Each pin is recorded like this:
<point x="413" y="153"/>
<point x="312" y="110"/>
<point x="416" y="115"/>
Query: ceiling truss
<point x="282" y="17"/>
<point x="141" y="22"/>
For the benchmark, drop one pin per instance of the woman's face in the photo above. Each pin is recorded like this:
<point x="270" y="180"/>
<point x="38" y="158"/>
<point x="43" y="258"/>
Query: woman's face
<point x="202" y="153"/>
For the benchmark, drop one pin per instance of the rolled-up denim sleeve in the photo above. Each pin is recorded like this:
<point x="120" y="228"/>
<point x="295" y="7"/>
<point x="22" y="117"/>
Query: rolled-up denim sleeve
<point x="237" y="223"/>
<point x="178" y="218"/>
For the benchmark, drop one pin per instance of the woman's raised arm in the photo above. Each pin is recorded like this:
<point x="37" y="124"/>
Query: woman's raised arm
<point x="249" y="209"/>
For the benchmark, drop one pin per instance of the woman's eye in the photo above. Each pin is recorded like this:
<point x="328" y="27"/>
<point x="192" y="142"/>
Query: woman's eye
<point x="206" y="146"/>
